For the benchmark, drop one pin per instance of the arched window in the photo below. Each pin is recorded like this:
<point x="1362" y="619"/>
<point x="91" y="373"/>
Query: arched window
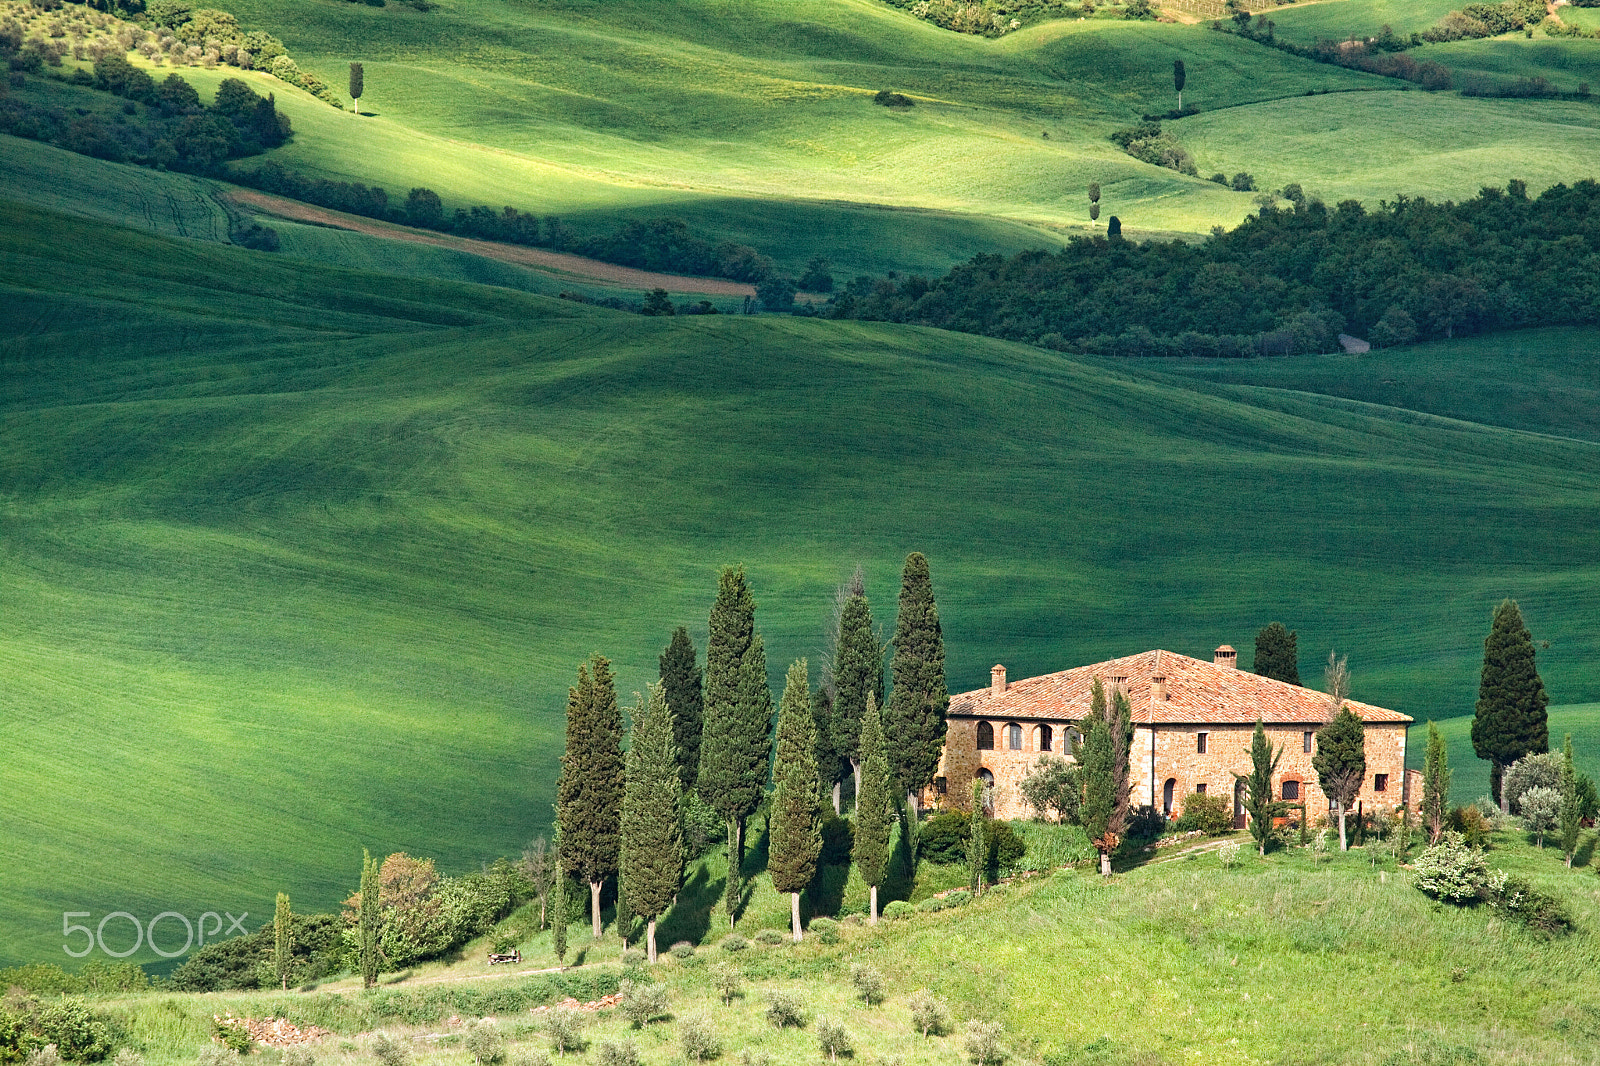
<point x="985" y="736"/>
<point x="986" y="777"/>
<point x="1046" y="737"/>
<point x="1167" y="791"/>
<point x="1014" y="736"/>
<point x="988" y="789"/>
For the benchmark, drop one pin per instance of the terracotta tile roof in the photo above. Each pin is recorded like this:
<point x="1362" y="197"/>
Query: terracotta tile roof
<point x="1197" y="692"/>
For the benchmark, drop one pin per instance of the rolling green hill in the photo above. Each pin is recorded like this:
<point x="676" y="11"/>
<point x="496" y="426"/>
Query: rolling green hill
<point x="758" y="125"/>
<point x="1470" y="777"/>
<point x="301" y="559"/>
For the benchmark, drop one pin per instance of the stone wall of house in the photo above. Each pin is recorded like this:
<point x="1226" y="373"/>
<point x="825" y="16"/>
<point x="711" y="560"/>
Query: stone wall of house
<point x="1176" y="758"/>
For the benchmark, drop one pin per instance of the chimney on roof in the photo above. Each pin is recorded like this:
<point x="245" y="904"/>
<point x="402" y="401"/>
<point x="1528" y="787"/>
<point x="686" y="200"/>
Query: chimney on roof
<point x="1158" y="682"/>
<point x="1226" y="656"/>
<point x="997" y="679"/>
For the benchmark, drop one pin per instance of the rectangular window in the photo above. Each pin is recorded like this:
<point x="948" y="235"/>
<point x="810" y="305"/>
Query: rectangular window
<point x="1201" y="787"/>
<point x="939" y="785"/>
<point x="1291" y="790"/>
<point x="1200" y="743"/>
<point x="1305" y="740"/>
<point x="1380" y="782"/>
<point x="1014" y="737"/>
<point x="1046" y="735"/>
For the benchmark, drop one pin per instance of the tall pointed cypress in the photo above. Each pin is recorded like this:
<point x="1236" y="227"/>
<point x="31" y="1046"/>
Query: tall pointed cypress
<point x="1278" y="653"/>
<point x="558" y="904"/>
<point x="1258" y="800"/>
<point x="1511" y="721"/>
<point x="1435" y="784"/>
<point x="369" y="921"/>
<point x="797" y="804"/>
<point x="1104" y="758"/>
<point x="914" y="722"/>
<point x="283" y="939"/>
<point x="684" y="683"/>
<point x="735" y="742"/>
<point x="652" y="815"/>
<point x="875" y="806"/>
<point x="589" y="793"/>
<point x="857" y="676"/>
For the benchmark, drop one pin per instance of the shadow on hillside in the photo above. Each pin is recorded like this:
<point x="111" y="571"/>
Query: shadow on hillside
<point x="1585" y="853"/>
<point x="900" y="878"/>
<point x="690" y="917"/>
<point x="825" y="894"/>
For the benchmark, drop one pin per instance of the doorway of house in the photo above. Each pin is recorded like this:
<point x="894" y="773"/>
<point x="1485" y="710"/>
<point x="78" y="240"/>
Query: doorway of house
<point x="1238" y="805"/>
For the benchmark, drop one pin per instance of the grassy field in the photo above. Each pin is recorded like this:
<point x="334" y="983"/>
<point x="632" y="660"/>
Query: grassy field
<point x="310" y="554"/>
<point x="1176" y="961"/>
<point x="759" y="126"/>
<point x="1470" y="776"/>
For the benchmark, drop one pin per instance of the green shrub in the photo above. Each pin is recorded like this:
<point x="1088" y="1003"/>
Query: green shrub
<point x="563" y="1027"/>
<point x="389" y="1051"/>
<point x="683" y="950"/>
<point x="983" y="1043"/>
<point x="1452" y="870"/>
<point x="784" y="1010"/>
<point x="833" y="1039"/>
<point x="643" y="1003"/>
<point x="623" y="1054"/>
<point x="483" y="1041"/>
<point x="931" y="905"/>
<point x="700" y="1040"/>
<point x="1212" y="815"/>
<point x="959" y="898"/>
<point x="729" y="982"/>
<point x="771" y="937"/>
<point x="930" y="1015"/>
<point x="868" y="981"/>
<point x="48" y="1056"/>
<point x="210" y="1055"/>
<point x="826" y="930"/>
<point x="15" y="1042"/>
<point x="1520" y="902"/>
<point x="734" y="942"/>
<point x="299" y="1055"/>
<point x="943" y="840"/>
<point x="898" y="909"/>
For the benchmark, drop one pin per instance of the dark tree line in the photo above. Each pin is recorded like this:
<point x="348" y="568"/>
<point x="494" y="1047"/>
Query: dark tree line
<point x="1283" y="282"/>
<point x="659" y="244"/>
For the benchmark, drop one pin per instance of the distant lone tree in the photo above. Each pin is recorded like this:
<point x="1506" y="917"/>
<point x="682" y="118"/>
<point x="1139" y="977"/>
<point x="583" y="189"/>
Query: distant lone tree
<point x="1179" y="76"/>
<point x="1114" y="227"/>
<point x="1511" y="720"/>
<point x="914" y="722"/>
<point x="796" y="836"/>
<point x="357" y="76"/>
<point x="589" y="792"/>
<point x="1435" y="784"/>
<point x="1094" y="201"/>
<point x="683" y="683"/>
<point x="1278" y="653"/>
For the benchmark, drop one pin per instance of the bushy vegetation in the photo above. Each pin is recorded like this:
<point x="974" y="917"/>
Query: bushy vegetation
<point x="1284" y="282"/>
<point x="943" y="839"/>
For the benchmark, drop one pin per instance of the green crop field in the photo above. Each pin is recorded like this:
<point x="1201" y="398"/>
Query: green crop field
<point x="301" y="559"/>
<point x="1470" y="776"/>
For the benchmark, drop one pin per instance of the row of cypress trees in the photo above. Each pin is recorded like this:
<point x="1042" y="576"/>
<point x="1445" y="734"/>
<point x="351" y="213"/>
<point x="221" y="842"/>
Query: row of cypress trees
<point x="712" y="735"/>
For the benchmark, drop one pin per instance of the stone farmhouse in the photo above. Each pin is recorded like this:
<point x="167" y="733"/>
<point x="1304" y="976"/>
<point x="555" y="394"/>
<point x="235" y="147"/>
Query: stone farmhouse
<point x="1192" y="724"/>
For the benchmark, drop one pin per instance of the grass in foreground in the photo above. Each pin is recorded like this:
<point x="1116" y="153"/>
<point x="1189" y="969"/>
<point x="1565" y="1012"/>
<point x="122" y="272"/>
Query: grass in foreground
<point x="1175" y="962"/>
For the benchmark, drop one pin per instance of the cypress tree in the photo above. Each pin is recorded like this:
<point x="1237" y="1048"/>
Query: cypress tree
<point x="1258" y="801"/>
<point x="1571" y="804"/>
<point x="357" y="84"/>
<point x="1104" y="758"/>
<point x="915" y="720"/>
<point x="796" y="822"/>
<point x="857" y="676"/>
<point x="1278" y="653"/>
<point x="1341" y="763"/>
<point x="369" y="921"/>
<point x="1435" y="784"/>
<point x="977" y="839"/>
<point x="684" y="683"/>
<point x="735" y="743"/>
<point x="589" y="793"/>
<point x="283" y="939"/>
<point x="1511" y="721"/>
<point x="652" y="815"/>
<point x="830" y="767"/>
<point x="875" y="806"/>
<point x="558" y="905"/>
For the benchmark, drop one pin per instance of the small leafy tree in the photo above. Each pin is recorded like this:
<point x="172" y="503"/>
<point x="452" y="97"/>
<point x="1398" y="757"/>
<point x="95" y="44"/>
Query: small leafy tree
<point x="643" y="1003"/>
<point x="1571" y="803"/>
<point x="833" y="1039"/>
<point x="869" y="983"/>
<point x="483" y="1041"/>
<point x="1278" y="653"/>
<point x="1435" y="784"/>
<point x="1179" y="76"/>
<point x="564" y="1026"/>
<point x="1258" y="802"/>
<point x="1053" y="785"/>
<point x="983" y="1043"/>
<point x="538" y="863"/>
<point x="1541" y="811"/>
<point x="1341" y="758"/>
<point x="929" y="1013"/>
